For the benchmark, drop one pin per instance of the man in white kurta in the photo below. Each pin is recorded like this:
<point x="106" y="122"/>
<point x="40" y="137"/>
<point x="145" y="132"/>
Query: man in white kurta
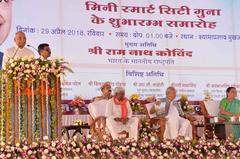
<point x="116" y="122"/>
<point x="177" y="123"/>
<point x="19" y="50"/>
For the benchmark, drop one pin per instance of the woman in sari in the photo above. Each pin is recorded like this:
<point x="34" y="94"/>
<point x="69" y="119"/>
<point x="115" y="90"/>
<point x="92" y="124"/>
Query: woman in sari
<point x="230" y="107"/>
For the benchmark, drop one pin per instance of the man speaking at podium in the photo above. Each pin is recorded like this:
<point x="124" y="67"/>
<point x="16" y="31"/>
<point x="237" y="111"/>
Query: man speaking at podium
<point x="19" y="50"/>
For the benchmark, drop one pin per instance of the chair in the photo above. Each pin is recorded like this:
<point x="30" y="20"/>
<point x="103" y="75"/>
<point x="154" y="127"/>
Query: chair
<point x="97" y="110"/>
<point x="210" y="109"/>
<point x="154" y="120"/>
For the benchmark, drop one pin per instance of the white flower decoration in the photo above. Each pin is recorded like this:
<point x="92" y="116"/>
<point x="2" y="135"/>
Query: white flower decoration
<point x="45" y="138"/>
<point x="45" y="151"/>
<point x="89" y="146"/>
<point x="25" y="148"/>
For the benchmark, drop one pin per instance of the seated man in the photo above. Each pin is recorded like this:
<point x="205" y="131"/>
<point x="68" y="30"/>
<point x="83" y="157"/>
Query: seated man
<point x="106" y="92"/>
<point x="119" y="116"/>
<point x="97" y="107"/>
<point x="176" y="124"/>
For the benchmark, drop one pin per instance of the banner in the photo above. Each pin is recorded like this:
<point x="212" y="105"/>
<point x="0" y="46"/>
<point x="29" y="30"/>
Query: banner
<point x="144" y="46"/>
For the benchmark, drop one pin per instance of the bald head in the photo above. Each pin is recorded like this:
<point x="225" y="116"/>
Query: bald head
<point x="171" y="93"/>
<point x="20" y="39"/>
<point x="106" y="85"/>
<point x="106" y="89"/>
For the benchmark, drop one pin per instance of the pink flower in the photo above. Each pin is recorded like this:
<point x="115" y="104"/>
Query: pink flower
<point x="77" y="101"/>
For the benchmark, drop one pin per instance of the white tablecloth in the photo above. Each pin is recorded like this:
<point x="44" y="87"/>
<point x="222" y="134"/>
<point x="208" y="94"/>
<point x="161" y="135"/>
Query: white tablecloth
<point x="70" y="119"/>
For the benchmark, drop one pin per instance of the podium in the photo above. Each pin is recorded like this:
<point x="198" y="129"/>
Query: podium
<point x="30" y="100"/>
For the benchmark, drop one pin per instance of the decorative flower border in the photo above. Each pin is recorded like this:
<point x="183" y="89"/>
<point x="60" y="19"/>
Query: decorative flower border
<point x="32" y="69"/>
<point x="30" y="99"/>
<point x="148" y="146"/>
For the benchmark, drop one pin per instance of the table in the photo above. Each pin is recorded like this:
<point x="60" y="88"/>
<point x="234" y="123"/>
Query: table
<point x="68" y="124"/>
<point x="222" y="130"/>
<point x="69" y="119"/>
<point x="76" y="128"/>
<point x="199" y="125"/>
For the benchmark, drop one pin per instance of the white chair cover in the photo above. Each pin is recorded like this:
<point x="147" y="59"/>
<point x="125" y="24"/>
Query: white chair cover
<point x="212" y="107"/>
<point x="97" y="108"/>
<point x="149" y="106"/>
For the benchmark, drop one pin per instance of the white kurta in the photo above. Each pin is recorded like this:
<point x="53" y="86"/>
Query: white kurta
<point x="98" y="109"/>
<point x="13" y="52"/>
<point x="176" y="125"/>
<point x="115" y="111"/>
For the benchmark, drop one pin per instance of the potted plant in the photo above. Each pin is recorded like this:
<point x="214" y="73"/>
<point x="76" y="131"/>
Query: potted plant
<point x="136" y="105"/>
<point x="77" y="105"/>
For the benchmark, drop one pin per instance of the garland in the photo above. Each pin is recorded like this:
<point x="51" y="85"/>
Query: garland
<point x="37" y="110"/>
<point x="15" y="112"/>
<point x="53" y="109"/>
<point x="2" y="110"/>
<point x="58" y="105"/>
<point x="28" y="91"/>
<point x="42" y="109"/>
<point x="19" y="109"/>
<point x="47" y="105"/>
<point x="23" y="108"/>
<point x="9" y="111"/>
<point x="33" y="110"/>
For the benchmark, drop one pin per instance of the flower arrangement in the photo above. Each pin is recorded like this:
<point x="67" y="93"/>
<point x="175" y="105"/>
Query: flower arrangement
<point x="185" y="105"/>
<point x="77" y="102"/>
<point x="145" y="130"/>
<point x="29" y="68"/>
<point x="31" y="84"/>
<point x="144" y="148"/>
<point x="79" y="122"/>
<point x="136" y="103"/>
<point x="207" y="95"/>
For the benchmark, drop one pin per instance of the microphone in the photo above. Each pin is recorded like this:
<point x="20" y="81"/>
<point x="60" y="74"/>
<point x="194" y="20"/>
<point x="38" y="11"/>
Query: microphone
<point x="32" y="47"/>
